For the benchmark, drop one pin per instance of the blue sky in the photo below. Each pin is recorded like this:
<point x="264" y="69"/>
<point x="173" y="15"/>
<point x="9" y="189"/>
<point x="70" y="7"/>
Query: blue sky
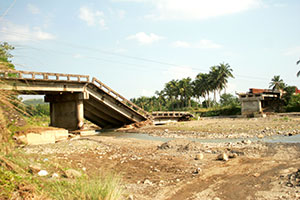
<point x="136" y="46"/>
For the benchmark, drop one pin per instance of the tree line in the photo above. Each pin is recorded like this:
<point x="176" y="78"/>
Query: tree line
<point x="186" y="93"/>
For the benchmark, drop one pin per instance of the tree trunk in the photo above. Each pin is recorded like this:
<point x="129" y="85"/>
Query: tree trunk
<point x="215" y="98"/>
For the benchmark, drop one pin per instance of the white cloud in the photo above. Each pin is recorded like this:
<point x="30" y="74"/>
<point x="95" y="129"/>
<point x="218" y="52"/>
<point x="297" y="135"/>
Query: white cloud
<point x="41" y="35"/>
<point x="197" y="9"/>
<point x="92" y="17"/>
<point x="33" y="9"/>
<point x="17" y="33"/>
<point x="145" y="39"/>
<point x="178" y="72"/>
<point x="294" y="51"/>
<point x="202" y="44"/>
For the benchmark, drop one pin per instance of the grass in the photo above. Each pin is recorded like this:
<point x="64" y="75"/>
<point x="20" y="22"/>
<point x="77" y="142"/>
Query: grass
<point x="283" y="119"/>
<point x="104" y="188"/>
<point x="42" y="121"/>
<point x="15" y="176"/>
<point x="31" y="122"/>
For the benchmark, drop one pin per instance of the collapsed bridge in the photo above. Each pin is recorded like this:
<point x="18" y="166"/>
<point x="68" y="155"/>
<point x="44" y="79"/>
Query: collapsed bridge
<point x="74" y="97"/>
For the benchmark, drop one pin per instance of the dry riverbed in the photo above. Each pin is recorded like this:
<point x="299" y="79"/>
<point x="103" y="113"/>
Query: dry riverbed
<point x="227" y="127"/>
<point x="181" y="169"/>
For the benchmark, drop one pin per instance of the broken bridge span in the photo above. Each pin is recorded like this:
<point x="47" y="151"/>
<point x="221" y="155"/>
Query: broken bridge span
<point x="75" y="97"/>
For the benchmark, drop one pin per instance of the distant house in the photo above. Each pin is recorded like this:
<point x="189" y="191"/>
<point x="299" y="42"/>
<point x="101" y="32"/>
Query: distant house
<point x="256" y="102"/>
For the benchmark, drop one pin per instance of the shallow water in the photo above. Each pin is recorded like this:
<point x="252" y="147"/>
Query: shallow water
<point x="144" y="136"/>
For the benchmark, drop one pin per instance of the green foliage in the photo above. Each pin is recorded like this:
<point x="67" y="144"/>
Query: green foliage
<point x="294" y="104"/>
<point x="186" y="94"/>
<point x="277" y="83"/>
<point x="107" y="188"/>
<point x="228" y="100"/>
<point x="38" y="110"/>
<point x="9" y="183"/>
<point x="220" y="111"/>
<point x="13" y="183"/>
<point x="289" y="92"/>
<point x="33" y="101"/>
<point x="5" y="55"/>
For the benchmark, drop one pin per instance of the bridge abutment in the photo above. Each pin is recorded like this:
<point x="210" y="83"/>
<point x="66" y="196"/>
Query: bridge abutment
<point x="66" y="110"/>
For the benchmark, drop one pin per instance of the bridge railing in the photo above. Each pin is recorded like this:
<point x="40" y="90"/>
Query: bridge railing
<point x="169" y="114"/>
<point x="26" y="75"/>
<point x="119" y="97"/>
<point x="46" y="76"/>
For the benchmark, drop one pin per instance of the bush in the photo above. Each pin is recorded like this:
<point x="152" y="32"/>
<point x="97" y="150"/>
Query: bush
<point x="220" y="111"/>
<point x="294" y="104"/>
<point x="229" y="100"/>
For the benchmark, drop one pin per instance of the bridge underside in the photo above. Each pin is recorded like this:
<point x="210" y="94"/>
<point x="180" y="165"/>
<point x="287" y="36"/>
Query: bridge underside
<point x="72" y="102"/>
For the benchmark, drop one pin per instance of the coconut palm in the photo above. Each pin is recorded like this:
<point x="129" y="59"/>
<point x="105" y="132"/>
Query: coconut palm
<point x="198" y="89"/>
<point x="277" y="83"/>
<point x="298" y="62"/>
<point x="171" y="90"/>
<point x="214" y="77"/>
<point x="185" y="91"/>
<point x="225" y="72"/>
<point x="204" y="84"/>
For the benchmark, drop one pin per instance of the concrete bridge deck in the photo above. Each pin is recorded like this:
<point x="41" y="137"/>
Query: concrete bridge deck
<point x="163" y="117"/>
<point x="75" y="97"/>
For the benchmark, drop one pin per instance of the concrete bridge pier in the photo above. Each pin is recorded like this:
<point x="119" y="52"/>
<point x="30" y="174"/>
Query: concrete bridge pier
<point x="66" y="110"/>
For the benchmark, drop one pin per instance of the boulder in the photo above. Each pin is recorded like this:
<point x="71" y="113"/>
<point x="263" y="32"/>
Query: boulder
<point x="43" y="173"/>
<point x="199" y="156"/>
<point x="246" y="141"/>
<point x="223" y="157"/>
<point x="147" y="181"/>
<point x="260" y="136"/>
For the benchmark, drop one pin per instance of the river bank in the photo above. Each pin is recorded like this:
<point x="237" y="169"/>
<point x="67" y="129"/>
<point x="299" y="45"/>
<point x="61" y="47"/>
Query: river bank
<point x="182" y="169"/>
<point x="177" y="169"/>
<point x="213" y="128"/>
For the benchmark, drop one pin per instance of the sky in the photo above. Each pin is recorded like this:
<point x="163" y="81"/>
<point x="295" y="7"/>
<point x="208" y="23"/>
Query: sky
<point x="136" y="46"/>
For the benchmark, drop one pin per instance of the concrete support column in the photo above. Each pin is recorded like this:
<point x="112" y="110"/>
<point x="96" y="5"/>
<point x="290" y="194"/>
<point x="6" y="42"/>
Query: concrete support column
<point x="251" y="106"/>
<point x="66" y="110"/>
<point x="80" y="114"/>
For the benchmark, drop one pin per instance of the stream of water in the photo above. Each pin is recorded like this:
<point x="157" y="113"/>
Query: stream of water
<point x="144" y="136"/>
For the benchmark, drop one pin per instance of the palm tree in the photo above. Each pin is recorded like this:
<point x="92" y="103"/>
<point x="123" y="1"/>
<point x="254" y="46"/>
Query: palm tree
<point x="225" y="72"/>
<point x="172" y="91"/>
<point x="204" y="86"/>
<point x="160" y="99"/>
<point x="214" y="80"/>
<point x="198" y="89"/>
<point x="277" y="83"/>
<point x="185" y="91"/>
<point x="298" y="62"/>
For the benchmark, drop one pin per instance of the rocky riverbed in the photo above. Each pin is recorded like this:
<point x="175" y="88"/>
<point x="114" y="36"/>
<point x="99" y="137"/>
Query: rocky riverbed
<point x="212" y="128"/>
<point x="183" y="169"/>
